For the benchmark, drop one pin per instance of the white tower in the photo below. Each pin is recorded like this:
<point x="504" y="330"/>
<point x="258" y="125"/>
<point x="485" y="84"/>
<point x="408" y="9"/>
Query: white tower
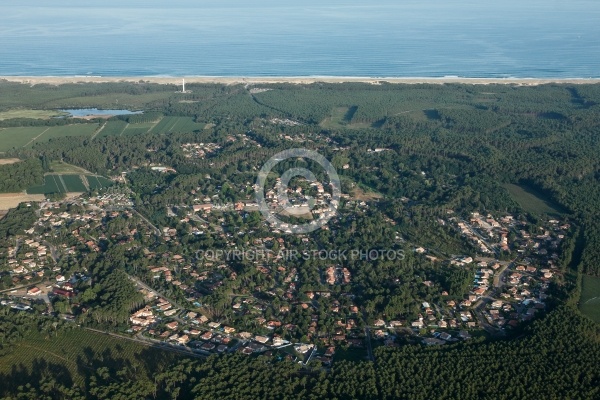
<point x="183" y="85"/>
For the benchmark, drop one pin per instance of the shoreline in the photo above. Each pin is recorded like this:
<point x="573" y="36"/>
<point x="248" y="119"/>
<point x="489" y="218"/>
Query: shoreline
<point x="253" y="80"/>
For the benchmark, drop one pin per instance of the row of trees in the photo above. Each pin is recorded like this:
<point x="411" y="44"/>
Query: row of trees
<point x="557" y="359"/>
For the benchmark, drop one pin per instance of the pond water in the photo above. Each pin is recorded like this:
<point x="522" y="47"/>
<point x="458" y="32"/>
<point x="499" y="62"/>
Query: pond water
<point x="84" y="112"/>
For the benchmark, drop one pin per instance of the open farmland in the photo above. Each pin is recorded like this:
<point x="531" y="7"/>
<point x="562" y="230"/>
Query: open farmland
<point x="137" y="129"/>
<point x="341" y="117"/>
<point x="75" y="355"/>
<point x="177" y="124"/>
<point x="73" y="183"/>
<point x="25" y="136"/>
<point x="589" y="303"/>
<point x="531" y="201"/>
<point x="108" y="101"/>
<point x="12" y="200"/>
<point x="18" y="137"/>
<point x="27" y="113"/>
<point x="70" y="130"/>
<point x="113" y="128"/>
<point x="98" y="182"/>
<point x="60" y="167"/>
<point x="60" y="184"/>
<point x="51" y="185"/>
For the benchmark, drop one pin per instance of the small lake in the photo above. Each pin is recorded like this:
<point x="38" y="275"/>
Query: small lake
<point x="84" y="112"/>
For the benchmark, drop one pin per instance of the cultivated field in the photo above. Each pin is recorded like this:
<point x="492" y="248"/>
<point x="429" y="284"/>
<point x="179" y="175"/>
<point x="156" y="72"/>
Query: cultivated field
<point x="113" y="128"/>
<point x="98" y="182"/>
<point x="55" y="183"/>
<point x="37" y="114"/>
<point x="589" y="303"/>
<point x="177" y="124"/>
<point x="59" y="167"/>
<point x="76" y="355"/>
<point x="18" y="137"/>
<point x="530" y="201"/>
<point x="341" y="117"/>
<point x="26" y="136"/>
<point x="70" y="179"/>
<point x="137" y="129"/>
<point x="12" y="200"/>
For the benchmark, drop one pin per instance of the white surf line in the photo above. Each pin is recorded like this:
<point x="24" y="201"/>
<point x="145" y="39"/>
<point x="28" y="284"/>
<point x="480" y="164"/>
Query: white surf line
<point x="154" y="126"/>
<point x="98" y="131"/>
<point x="36" y="138"/>
<point x="126" y="126"/>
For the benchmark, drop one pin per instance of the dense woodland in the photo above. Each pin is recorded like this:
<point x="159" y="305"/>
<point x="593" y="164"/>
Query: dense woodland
<point x="478" y="137"/>
<point x="555" y="358"/>
<point x="446" y="147"/>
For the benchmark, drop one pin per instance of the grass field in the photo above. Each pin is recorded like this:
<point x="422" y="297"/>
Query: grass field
<point x="18" y="137"/>
<point x="51" y="185"/>
<point x="137" y="129"/>
<point x="58" y="183"/>
<point x="113" y="128"/>
<point x="73" y="183"/>
<point x="75" y="355"/>
<point x="177" y="124"/>
<point x="98" y="182"/>
<point x="341" y="117"/>
<point x="59" y="167"/>
<point x="531" y="201"/>
<point x="108" y="101"/>
<point x="589" y="304"/>
<point x="25" y="113"/>
<point x="70" y="130"/>
<point x="26" y="136"/>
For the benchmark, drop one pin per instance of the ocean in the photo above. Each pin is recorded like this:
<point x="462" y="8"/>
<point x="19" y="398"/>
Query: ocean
<point x="386" y="38"/>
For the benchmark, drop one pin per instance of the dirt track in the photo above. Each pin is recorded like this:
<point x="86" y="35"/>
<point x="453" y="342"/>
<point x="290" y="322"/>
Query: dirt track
<point x="11" y="200"/>
<point x="6" y="161"/>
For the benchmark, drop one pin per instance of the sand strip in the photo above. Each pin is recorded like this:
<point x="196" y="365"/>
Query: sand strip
<point x="58" y="80"/>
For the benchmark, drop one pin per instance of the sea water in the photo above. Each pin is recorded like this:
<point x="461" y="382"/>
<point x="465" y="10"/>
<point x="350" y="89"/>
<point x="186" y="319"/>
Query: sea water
<point x="379" y="38"/>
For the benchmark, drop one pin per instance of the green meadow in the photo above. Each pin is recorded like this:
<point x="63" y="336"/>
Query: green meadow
<point x="589" y="303"/>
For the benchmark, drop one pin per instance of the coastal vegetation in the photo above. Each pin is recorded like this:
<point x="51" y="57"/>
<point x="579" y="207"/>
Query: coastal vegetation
<point x="415" y="163"/>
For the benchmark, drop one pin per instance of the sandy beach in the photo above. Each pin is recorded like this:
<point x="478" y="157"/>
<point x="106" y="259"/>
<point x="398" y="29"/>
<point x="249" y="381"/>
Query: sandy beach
<point x="58" y="80"/>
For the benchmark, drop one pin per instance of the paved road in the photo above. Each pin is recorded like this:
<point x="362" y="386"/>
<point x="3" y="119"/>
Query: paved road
<point x="369" y="347"/>
<point x="156" y="230"/>
<point x="494" y="248"/>
<point x="53" y="251"/>
<point x="142" y="284"/>
<point x="196" y="218"/>
<point x="478" y="308"/>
